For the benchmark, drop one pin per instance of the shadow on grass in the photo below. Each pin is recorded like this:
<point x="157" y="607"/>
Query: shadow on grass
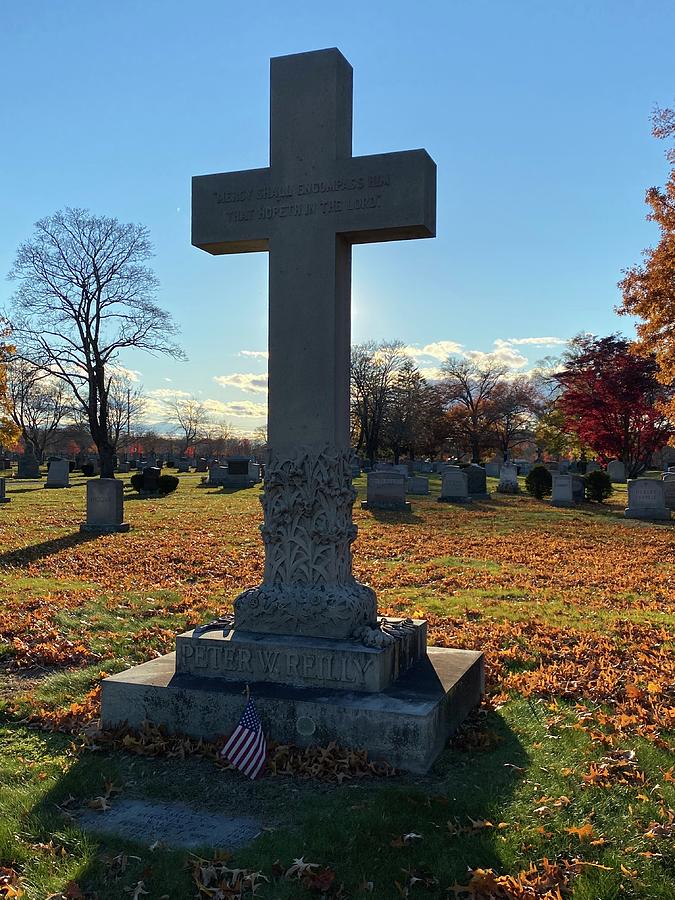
<point x="318" y="821"/>
<point x="394" y="516"/>
<point x="26" y="555"/>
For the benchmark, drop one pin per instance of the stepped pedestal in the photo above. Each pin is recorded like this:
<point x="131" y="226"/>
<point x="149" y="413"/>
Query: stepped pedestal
<point x="400" y="702"/>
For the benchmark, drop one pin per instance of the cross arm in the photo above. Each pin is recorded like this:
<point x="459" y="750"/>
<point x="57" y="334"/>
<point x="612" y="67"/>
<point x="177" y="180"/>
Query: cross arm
<point x="226" y="215"/>
<point x="397" y="200"/>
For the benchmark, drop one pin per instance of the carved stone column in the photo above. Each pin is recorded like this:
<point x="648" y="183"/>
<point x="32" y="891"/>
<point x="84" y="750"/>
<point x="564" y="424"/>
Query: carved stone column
<point x="308" y="586"/>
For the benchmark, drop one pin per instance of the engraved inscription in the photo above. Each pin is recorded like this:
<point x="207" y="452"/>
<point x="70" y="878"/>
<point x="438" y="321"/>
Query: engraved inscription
<point x="205" y="657"/>
<point x="308" y="199"/>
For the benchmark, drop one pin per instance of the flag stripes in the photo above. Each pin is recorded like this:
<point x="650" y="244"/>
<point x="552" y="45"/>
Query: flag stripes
<point x="246" y="748"/>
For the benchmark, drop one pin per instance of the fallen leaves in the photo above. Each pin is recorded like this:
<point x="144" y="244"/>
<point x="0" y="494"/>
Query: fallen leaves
<point x="217" y="879"/>
<point x="584" y="832"/>
<point x="10" y="884"/>
<point x="330" y="763"/>
<point x="544" y="880"/>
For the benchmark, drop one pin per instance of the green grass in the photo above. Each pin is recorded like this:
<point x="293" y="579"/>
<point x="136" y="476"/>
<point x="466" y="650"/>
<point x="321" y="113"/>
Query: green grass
<point x="507" y="562"/>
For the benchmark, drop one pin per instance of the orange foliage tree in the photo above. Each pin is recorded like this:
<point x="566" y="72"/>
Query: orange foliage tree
<point x="649" y="289"/>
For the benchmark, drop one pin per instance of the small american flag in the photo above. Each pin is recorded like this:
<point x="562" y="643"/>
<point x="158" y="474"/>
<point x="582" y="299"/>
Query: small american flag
<point x="246" y="749"/>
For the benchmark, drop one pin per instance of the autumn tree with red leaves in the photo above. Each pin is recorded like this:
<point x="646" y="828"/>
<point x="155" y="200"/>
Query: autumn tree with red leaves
<point x="649" y="289"/>
<point x="612" y="400"/>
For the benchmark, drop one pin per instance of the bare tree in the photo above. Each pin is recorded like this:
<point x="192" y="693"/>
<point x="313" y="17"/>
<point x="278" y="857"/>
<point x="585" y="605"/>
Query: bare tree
<point x="469" y="387"/>
<point x="374" y="368"/>
<point x="190" y="417"/>
<point x="515" y="404"/>
<point x="126" y="403"/>
<point x="36" y="402"/>
<point x="213" y="438"/>
<point x="85" y="295"/>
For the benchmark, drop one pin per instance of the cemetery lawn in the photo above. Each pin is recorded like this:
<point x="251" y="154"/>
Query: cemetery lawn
<point x="561" y="785"/>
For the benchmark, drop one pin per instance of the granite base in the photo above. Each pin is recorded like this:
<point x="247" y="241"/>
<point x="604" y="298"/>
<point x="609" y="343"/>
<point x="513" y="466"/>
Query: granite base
<point x="655" y="514"/>
<point x="407" y="725"/>
<point x="300" y="661"/>
<point x="104" y="529"/>
<point x="388" y="507"/>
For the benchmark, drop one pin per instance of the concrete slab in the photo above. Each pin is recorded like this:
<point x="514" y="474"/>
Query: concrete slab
<point x="406" y="725"/>
<point x="172" y="824"/>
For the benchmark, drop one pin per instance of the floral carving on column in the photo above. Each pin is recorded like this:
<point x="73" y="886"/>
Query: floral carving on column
<point x="308" y="587"/>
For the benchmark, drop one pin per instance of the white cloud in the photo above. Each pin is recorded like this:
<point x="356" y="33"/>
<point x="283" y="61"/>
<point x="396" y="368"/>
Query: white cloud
<point x="168" y="394"/>
<point x="255" y="354"/>
<point x="132" y="375"/>
<point x="535" y="341"/>
<point x="157" y="406"/>
<point x="239" y="409"/>
<point x="504" y="355"/>
<point x="244" y="381"/>
<point x="437" y="350"/>
<point x="431" y="373"/>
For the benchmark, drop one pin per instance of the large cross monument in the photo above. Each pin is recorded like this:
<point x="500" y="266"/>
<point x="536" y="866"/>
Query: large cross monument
<point x="308" y="640"/>
<point x="307" y="209"/>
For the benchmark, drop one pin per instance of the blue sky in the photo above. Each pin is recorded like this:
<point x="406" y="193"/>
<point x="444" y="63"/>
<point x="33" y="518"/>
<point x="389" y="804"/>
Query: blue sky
<point x="537" y="114"/>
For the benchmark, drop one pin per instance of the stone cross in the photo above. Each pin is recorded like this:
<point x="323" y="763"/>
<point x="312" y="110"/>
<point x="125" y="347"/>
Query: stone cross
<point x="307" y="208"/>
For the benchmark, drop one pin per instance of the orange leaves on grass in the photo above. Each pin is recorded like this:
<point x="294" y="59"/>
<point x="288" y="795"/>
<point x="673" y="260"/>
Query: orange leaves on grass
<point x="543" y="881"/>
<point x="10" y="884"/>
<point x="72" y="719"/>
<point x="50" y="650"/>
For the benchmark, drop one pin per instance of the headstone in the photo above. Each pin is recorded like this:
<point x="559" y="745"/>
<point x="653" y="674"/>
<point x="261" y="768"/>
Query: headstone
<point x="105" y="506"/>
<point x="563" y="491"/>
<point x="592" y="466"/>
<point x="401" y="468"/>
<point x="564" y="466"/>
<point x="201" y="465"/>
<point x="669" y="489"/>
<point x="578" y="488"/>
<point x="28" y="466"/>
<point x="183" y="465"/>
<point x="476" y="481"/>
<point x="218" y="476"/>
<point x="492" y="469"/>
<point x="524" y="466"/>
<point x="426" y="467"/>
<point x="57" y="474"/>
<point x="238" y="471"/>
<point x="646" y="500"/>
<point x="123" y="467"/>
<point x="386" y="490"/>
<point x="151" y="476"/>
<point x="508" y="480"/>
<point x="418" y="485"/>
<point x="307" y="209"/>
<point x="3" y="497"/>
<point x="454" y="486"/>
<point x="616" y="471"/>
<point x="573" y="468"/>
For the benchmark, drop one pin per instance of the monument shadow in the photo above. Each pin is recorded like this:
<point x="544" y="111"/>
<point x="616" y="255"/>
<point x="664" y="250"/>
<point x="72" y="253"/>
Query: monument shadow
<point x="26" y="555"/>
<point x="463" y="784"/>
